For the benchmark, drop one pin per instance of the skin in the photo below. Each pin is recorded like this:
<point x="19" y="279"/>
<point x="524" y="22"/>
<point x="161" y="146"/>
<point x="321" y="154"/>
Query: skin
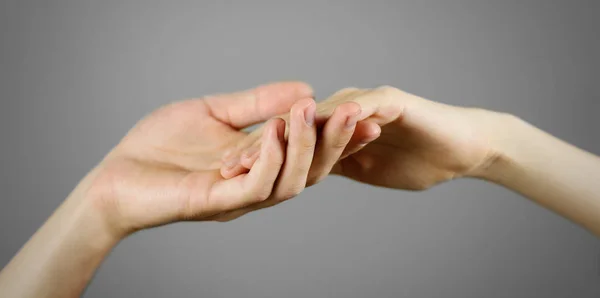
<point x="170" y="167"/>
<point x="167" y="169"/>
<point x="422" y="143"/>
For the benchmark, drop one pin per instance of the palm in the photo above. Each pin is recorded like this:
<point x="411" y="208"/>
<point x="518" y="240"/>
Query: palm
<point x="182" y="135"/>
<point x="167" y="168"/>
<point x="172" y="152"/>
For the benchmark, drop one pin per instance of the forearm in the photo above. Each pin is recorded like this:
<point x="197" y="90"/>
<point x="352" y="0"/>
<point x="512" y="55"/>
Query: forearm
<point x="549" y="171"/>
<point x="62" y="256"/>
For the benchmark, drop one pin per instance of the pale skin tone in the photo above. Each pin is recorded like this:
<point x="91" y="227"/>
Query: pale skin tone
<point x="423" y="143"/>
<point x="190" y="161"/>
<point x="166" y="169"/>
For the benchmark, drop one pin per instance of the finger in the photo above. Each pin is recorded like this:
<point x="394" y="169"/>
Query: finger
<point x="365" y="132"/>
<point x="249" y="107"/>
<point x="237" y="160"/>
<point x="336" y="134"/>
<point x="382" y="105"/>
<point x="326" y="108"/>
<point x="324" y="111"/>
<point x="231" y="166"/>
<point x="299" y="155"/>
<point x="234" y="160"/>
<point x="300" y="151"/>
<point x="257" y="185"/>
<point x="249" y="156"/>
<point x="298" y="159"/>
<point x="338" y="140"/>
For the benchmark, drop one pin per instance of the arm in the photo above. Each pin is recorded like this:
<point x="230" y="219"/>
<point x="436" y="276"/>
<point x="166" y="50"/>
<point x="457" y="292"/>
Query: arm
<point x="545" y="169"/>
<point x="167" y="169"/>
<point x="411" y="143"/>
<point x="62" y="256"/>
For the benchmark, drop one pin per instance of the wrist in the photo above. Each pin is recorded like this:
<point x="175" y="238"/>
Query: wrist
<point x="506" y="135"/>
<point x="88" y="210"/>
<point x="87" y="224"/>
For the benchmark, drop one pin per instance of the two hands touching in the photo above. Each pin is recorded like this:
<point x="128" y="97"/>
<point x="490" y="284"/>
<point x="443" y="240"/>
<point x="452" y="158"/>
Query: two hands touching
<point x="192" y="161"/>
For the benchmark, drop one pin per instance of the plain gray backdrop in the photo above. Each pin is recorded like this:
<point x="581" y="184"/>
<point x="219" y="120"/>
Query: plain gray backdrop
<point x="76" y="75"/>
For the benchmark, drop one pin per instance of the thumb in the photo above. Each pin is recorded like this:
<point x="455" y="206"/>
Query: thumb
<point x="246" y="108"/>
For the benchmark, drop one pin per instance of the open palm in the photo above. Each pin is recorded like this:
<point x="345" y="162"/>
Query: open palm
<point x="167" y="167"/>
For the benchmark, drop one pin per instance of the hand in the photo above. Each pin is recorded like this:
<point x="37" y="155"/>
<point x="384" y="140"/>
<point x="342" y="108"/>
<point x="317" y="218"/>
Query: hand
<point x="167" y="168"/>
<point x="409" y="142"/>
<point x="305" y="165"/>
<point x="422" y="142"/>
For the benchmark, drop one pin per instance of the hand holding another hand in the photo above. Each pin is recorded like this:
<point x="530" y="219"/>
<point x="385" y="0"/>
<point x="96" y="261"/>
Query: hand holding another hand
<point x="401" y="141"/>
<point x="190" y="160"/>
<point x="167" y="168"/>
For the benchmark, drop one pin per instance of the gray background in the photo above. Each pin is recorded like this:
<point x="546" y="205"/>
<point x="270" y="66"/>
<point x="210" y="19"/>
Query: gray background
<point x="76" y="75"/>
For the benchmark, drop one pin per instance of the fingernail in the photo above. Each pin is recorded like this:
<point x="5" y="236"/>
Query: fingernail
<point x="309" y="115"/>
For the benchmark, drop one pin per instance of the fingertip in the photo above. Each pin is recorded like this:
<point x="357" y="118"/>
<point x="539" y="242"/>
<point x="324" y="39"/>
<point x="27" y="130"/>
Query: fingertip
<point x="249" y="156"/>
<point x="223" y="173"/>
<point x="304" y="103"/>
<point x="304" y="90"/>
<point x="247" y="162"/>
<point x="373" y="131"/>
<point x="230" y="172"/>
<point x="271" y="131"/>
<point x="304" y="111"/>
<point x="366" y="130"/>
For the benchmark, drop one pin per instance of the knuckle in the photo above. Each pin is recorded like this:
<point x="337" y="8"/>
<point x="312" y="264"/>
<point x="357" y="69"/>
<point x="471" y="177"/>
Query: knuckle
<point x="301" y="144"/>
<point x="290" y="192"/>
<point x="307" y="144"/>
<point x="301" y="169"/>
<point x="260" y="194"/>
<point x="340" y="143"/>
